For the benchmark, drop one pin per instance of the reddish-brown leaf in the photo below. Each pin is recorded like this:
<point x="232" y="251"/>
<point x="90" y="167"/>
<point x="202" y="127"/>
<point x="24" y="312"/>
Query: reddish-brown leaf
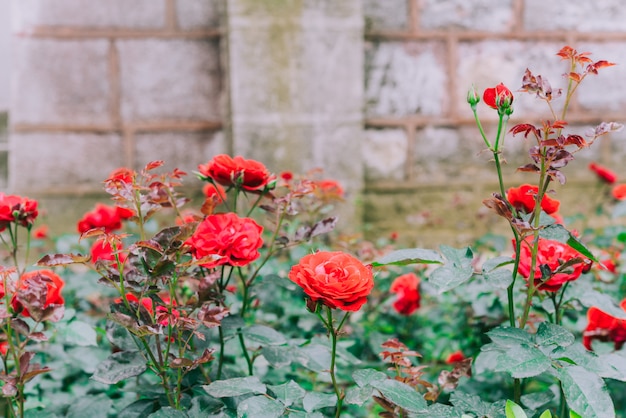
<point x="50" y="260"/>
<point x="575" y="76"/>
<point x="153" y="164"/>
<point x="525" y="128"/>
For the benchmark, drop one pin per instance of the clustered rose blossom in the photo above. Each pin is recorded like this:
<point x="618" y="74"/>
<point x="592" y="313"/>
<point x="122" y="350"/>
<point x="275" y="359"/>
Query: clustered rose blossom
<point x="523" y="199"/>
<point x="51" y="294"/>
<point x="498" y="97"/>
<point x="162" y="315"/>
<point x="603" y="173"/>
<point x="406" y="287"/>
<point x="552" y="255"/>
<point x="233" y="240"/>
<point x="107" y="217"/>
<point x="250" y="175"/>
<point x="335" y="279"/>
<point x="18" y="209"/>
<point x="604" y="327"/>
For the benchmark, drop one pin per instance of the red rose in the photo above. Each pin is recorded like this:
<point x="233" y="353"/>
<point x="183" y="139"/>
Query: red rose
<point x="619" y="192"/>
<point x="406" y="287"/>
<point x="498" y="97"/>
<point x="162" y="315"/>
<point x="328" y="190"/>
<point x="41" y="232"/>
<point x="336" y="279"/>
<point x="215" y="192"/>
<point x="102" y="250"/>
<point x="18" y="209"/>
<point x="603" y="173"/>
<point x="108" y="217"/>
<point x="565" y="263"/>
<point x="233" y="240"/>
<point x="40" y="289"/>
<point x="4" y="348"/>
<point x="237" y="172"/>
<point x="523" y="199"/>
<point x="604" y="327"/>
<point x="455" y="357"/>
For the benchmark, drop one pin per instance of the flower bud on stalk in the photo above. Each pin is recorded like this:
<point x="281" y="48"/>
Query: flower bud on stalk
<point x="499" y="98"/>
<point x="473" y="98"/>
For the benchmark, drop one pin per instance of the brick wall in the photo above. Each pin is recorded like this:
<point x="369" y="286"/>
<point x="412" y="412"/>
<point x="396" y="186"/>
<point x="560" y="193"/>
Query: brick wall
<point x="426" y="175"/>
<point x="103" y="84"/>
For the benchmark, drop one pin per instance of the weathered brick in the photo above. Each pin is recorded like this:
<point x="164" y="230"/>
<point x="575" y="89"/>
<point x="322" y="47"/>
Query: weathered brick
<point x="300" y="10"/>
<point x="386" y="15"/>
<point x="385" y="154"/>
<point x="61" y="82"/>
<point x="171" y="79"/>
<point x="137" y="14"/>
<point x="178" y="149"/>
<point x="484" y="15"/>
<point x="406" y="78"/>
<point x="595" y="16"/>
<point x="199" y="14"/>
<point x="486" y="64"/>
<point x="40" y="161"/>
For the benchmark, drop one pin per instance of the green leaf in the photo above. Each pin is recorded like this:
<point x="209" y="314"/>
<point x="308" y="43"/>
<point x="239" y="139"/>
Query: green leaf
<point x="264" y="335"/>
<point x="139" y="408"/>
<point x="366" y="376"/>
<point x="573" y="414"/>
<point x="119" y="366"/>
<point x="168" y="412"/>
<point x="513" y="410"/>
<point x="557" y="232"/>
<point x="465" y="402"/>
<point x="509" y="336"/>
<point x="314" y="400"/>
<point x="79" y="333"/>
<point x="523" y="361"/>
<point x="497" y="276"/>
<point x="551" y="334"/>
<point x="357" y="395"/>
<point x="288" y="392"/>
<point x="90" y="406"/>
<point x="456" y="270"/>
<point x="547" y="414"/>
<point x="235" y="387"/>
<point x="260" y="406"/>
<point x="277" y="356"/>
<point x="315" y="357"/>
<point x="585" y="392"/>
<point x="537" y="399"/>
<point x="400" y="394"/>
<point x="409" y="256"/>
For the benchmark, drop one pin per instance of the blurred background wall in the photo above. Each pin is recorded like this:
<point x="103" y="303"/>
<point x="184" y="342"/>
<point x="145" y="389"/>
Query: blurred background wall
<point x="373" y="91"/>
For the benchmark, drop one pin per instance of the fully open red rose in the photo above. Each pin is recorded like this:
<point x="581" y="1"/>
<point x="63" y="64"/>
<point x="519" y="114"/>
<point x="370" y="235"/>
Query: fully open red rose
<point x="603" y="173"/>
<point x="406" y="287"/>
<point x="604" y="327"/>
<point x="498" y="97"/>
<point x="238" y="172"/>
<point x="107" y="217"/>
<point x="39" y="289"/>
<point x="232" y="240"/>
<point x="18" y="209"/>
<point x="335" y="279"/>
<point x="564" y="262"/>
<point x="523" y="199"/>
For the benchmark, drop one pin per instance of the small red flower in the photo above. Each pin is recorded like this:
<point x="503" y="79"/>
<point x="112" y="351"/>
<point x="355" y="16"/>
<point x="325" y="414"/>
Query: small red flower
<point x="4" y="348"/>
<point x="102" y="250"/>
<point x="406" y="287"/>
<point x="232" y="240"/>
<point x="162" y="315"/>
<point x="18" y="209"/>
<point x="498" y="97"/>
<point x="603" y="173"/>
<point x="122" y="174"/>
<point x="328" y="190"/>
<point x="41" y="232"/>
<point x="523" y="199"/>
<point x="215" y="192"/>
<point x="455" y="357"/>
<point x="604" y="327"/>
<point x="619" y="192"/>
<point x="335" y="279"/>
<point x="107" y="217"/>
<point x="564" y="263"/>
<point x="237" y="172"/>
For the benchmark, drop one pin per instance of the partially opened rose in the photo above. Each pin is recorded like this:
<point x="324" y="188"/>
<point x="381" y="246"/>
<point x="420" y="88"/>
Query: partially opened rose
<point x="406" y="287"/>
<point x="238" y="172"/>
<point x="498" y="97"/>
<point x="335" y="279"/>
<point x="604" y="327"/>
<point x="102" y="216"/>
<point x="523" y="199"/>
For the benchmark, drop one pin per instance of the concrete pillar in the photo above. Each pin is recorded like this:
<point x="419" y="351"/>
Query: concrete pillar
<point x="295" y="76"/>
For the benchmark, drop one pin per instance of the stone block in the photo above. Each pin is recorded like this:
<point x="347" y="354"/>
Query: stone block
<point x="406" y="78"/>
<point x="302" y="73"/>
<point x="486" y="64"/>
<point x="199" y="14"/>
<point x="386" y="15"/>
<point x="385" y="153"/>
<point x="482" y="15"/>
<point x="170" y="79"/>
<point x="44" y="161"/>
<point x="137" y="14"/>
<point x="302" y="11"/>
<point x="182" y="150"/>
<point x="61" y="82"/>
<point x="596" y="16"/>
